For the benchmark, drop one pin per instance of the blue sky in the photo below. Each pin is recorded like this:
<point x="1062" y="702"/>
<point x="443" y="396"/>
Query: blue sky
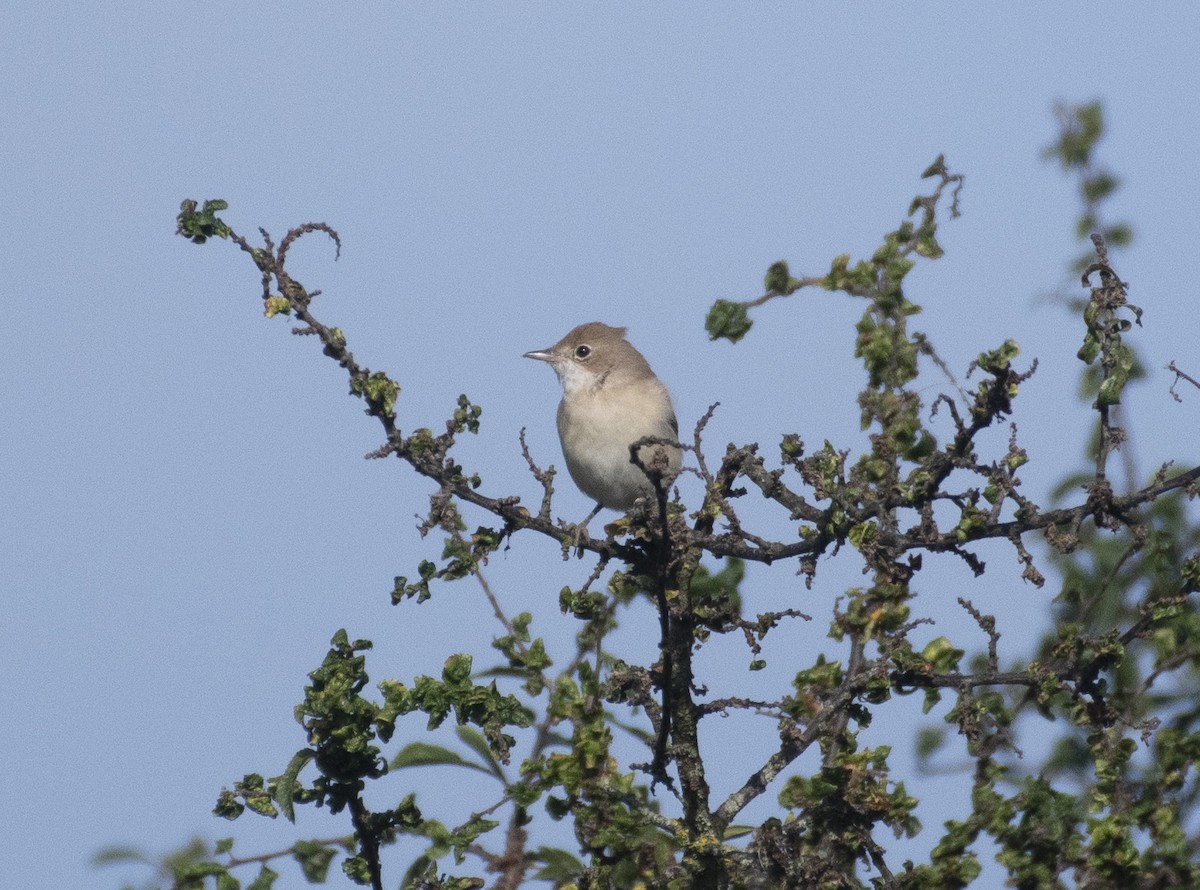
<point x="186" y="515"/>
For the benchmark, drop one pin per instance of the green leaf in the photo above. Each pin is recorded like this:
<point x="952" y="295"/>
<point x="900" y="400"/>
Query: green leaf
<point x="228" y="806"/>
<point x="776" y="279"/>
<point x="1120" y="235"/>
<point x="422" y="867"/>
<point x="728" y="320"/>
<point x="1098" y="187"/>
<point x="1090" y="349"/>
<point x="929" y="739"/>
<point x="115" y="855"/>
<point x="457" y="670"/>
<point x="928" y="247"/>
<point x="559" y="865"/>
<point x="424" y="754"/>
<point x="863" y="533"/>
<point x="464" y="836"/>
<point x="276" y="305"/>
<point x="1118" y="376"/>
<point x="264" y="881"/>
<point x="313" y="858"/>
<point x="942" y="655"/>
<point x="200" y="225"/>
<point x="286" y="784"/>
<point x="998" y="360"/>
<point x="1111" y="388"/>
<point x="357" y="870"/>
<point x="198" y="870"/>
<point x="379" y="391"/>
<point x="474" y="740"/>
<point x="839" y="273"/>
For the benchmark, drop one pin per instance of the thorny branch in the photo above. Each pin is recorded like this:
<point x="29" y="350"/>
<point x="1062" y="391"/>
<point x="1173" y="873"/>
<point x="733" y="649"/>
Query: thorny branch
<point x="892" y="525"/>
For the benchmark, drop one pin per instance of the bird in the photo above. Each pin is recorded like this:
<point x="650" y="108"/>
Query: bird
<point x="611" y="399"/>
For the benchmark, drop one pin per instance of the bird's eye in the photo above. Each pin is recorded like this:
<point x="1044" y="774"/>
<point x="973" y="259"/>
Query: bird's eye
<point x="582" y="352"/>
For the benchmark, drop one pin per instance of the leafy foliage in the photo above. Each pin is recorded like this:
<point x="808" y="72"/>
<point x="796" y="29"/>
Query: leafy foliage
<point x="1113" y="806"/>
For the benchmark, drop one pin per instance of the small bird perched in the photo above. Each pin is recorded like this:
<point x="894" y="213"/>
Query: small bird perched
<point x="611" y="399"/>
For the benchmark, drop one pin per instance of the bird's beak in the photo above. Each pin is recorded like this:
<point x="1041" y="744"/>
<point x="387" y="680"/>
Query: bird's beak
<point x="542" y="355"/>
